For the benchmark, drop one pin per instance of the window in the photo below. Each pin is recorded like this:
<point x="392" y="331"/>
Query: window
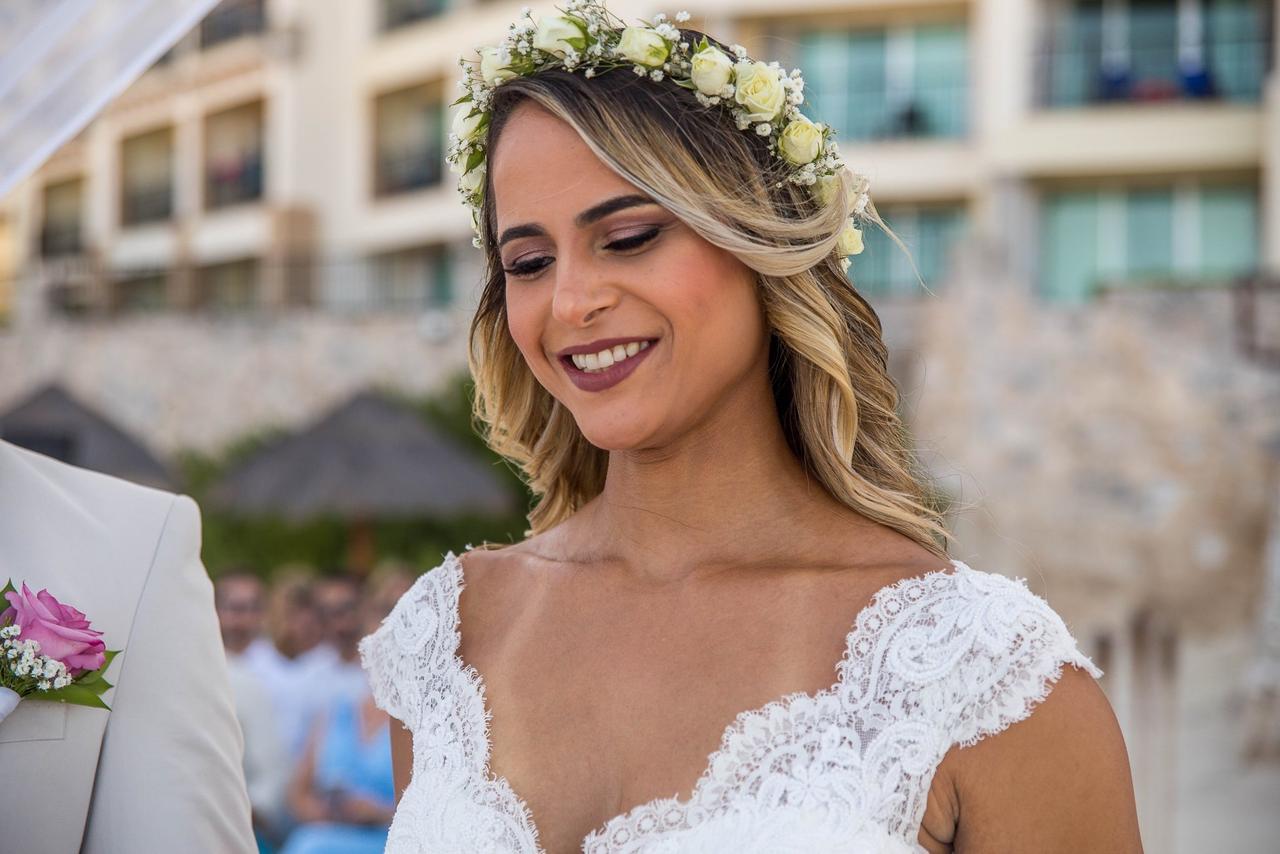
<point x="398" y="13"/>
<point x="882" y="269"/>
<point x="408" y="140"/>
<point x="60" y="232"/>
<point x="147" y="177"/>
<point x="888" y="83"/>
<point x="1186" y="234"/>
<point x="1155" y="50"/>
<point x="232" y="19"/>
<point x="417" y="278"/>
<point x="233" y="156"/>
<point x="229" y="287"/>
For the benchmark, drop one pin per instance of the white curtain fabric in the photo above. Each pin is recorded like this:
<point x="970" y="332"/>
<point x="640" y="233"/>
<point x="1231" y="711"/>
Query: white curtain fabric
<point x="61" y="61"/>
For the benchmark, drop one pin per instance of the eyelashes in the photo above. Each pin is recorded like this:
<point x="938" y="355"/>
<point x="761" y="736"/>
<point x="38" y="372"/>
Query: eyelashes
<point x="526" y="269"/>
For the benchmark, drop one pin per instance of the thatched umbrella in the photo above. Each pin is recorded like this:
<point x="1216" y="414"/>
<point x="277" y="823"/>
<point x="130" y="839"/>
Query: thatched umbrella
<point x="51" y="421"/>
<point x="370" y="458"/>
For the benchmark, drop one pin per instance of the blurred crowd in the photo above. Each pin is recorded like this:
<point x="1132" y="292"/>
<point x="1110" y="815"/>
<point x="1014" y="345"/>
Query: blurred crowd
<point x="317" y="755"/>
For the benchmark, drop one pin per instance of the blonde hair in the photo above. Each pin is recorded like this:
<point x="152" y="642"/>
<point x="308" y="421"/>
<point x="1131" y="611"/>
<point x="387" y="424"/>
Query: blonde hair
<point x="828" y="362"/>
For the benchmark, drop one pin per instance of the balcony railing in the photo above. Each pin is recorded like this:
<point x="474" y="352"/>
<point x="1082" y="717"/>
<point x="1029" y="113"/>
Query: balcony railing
<point x="1074" y="72"/>
<point x="57" y="239"/>
<point x="231" y="20"/>
<point x="402" y="171"/>
<point x="147" y="204"/>
<point x="398" y="13"/>
<point x="234" y="182"/>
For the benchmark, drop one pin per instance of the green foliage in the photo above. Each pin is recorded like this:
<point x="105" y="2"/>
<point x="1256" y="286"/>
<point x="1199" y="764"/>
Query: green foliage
<point x="262" y="544"/>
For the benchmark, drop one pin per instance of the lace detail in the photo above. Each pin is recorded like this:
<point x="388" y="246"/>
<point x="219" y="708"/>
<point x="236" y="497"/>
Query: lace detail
<point x="931" y="662"/>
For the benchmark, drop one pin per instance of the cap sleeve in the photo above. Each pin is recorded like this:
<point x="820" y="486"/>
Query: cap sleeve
<point x="1021" y="645"/>
<point x="408" y="648"/>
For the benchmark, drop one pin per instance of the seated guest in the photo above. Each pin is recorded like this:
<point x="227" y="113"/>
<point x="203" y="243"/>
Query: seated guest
<point x="292" y="663"/>
<point x="338" y="603"/>
<point x="343" y="793"/>
<point x="238" y="598"/>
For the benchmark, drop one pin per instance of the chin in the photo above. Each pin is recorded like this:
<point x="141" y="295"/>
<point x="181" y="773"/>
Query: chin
<point x="626" y="435"/>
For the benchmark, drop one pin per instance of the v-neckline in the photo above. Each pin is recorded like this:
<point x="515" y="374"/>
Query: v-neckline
<point x="476" y="682"/>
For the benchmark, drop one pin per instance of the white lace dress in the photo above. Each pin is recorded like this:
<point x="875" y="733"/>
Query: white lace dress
<point x="930" y="662"/>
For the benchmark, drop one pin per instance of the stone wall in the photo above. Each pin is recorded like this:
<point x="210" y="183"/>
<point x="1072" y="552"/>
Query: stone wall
<point x="178" y="382"/>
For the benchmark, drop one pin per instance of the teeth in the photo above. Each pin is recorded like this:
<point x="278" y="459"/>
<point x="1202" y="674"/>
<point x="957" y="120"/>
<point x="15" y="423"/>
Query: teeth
<point x="607" y="358"/>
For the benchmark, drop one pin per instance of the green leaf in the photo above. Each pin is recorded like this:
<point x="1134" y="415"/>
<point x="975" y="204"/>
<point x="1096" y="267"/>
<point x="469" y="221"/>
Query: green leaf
<point x="8" y="587"/>
<point x="703" y="44"/>
<point x="474" y="159"/>
<point x="76" y="695"/>
<point x="462" y="100"/>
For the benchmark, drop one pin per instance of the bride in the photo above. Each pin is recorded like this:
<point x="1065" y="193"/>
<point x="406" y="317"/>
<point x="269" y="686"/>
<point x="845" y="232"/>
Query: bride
<point x="733" y="626"/>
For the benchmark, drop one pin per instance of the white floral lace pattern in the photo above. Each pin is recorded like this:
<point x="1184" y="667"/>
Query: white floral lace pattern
<point x="931" y="662"/>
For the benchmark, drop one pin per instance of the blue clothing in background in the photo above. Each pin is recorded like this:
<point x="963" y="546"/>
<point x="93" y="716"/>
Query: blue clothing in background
<point x="349" y="765"/>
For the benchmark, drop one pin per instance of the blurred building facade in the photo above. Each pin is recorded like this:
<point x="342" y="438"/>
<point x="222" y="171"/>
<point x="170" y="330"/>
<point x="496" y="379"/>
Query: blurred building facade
<point x="264" y="222"/>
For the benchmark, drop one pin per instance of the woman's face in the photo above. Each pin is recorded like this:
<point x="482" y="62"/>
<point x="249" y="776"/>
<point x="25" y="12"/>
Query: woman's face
<point x="593" y="267"/>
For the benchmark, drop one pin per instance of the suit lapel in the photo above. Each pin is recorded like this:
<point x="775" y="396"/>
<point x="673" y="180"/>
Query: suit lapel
<point x="54" y="536"/>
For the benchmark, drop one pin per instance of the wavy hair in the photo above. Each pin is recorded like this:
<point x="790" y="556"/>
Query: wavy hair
<point x="828" y="362"/>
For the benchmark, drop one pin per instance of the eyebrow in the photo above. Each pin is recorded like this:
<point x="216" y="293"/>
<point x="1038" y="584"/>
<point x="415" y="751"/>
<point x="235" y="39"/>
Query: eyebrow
<point x="592" y="214"/>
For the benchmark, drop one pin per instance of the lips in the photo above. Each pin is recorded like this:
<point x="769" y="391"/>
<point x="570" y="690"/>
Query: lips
<point x="610" y="376"/>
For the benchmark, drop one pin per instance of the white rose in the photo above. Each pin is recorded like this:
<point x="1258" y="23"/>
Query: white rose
<point x="850" y="240"/>
<point x="464" y="125"/>
<point x="711" y="70"/>
<point x="643" y="46"/>
<point x="473" y="180"/>
<point x="801" y="141"/>
<point x="491" y="66"/>
<point x="758" y="88"/>
<point x="825" y="189"/>
<point x="554" y="32"/>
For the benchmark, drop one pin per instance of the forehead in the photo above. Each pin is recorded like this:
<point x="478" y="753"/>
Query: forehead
<point x="542" y="171"/>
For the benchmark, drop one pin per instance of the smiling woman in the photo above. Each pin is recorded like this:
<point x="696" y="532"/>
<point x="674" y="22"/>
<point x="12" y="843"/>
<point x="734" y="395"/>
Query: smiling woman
<point x="728" y="511"/>
<point x="730" y="237"/>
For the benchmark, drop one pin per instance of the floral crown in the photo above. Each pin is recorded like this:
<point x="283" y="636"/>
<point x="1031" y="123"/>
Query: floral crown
<point x="763" y="99"/>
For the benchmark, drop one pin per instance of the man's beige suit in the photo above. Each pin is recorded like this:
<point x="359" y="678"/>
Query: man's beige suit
<point x="160" y="772"/>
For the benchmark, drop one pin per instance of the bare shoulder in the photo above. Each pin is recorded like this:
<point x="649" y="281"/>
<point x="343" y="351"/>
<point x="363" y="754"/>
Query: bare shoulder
<point x="498" y="583"/>
<point x="1056" y="781"/>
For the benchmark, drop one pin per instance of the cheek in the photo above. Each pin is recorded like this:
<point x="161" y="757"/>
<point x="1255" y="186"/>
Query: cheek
<point x="525" y="323"/>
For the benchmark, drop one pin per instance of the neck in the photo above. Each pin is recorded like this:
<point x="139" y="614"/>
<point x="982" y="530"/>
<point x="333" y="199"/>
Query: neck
<point x="727" y="493"/>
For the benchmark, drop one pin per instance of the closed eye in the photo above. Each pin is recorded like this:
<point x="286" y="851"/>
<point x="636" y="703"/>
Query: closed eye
<point x="635" y="241"/>
<point x="527" y="269"/>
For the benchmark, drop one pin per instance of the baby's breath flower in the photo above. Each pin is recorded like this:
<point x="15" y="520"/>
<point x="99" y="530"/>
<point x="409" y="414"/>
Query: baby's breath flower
<point x="44" y="684"/>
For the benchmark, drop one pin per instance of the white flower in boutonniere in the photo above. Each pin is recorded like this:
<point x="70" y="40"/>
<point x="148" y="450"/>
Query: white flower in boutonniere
<point x="49" y="652"/>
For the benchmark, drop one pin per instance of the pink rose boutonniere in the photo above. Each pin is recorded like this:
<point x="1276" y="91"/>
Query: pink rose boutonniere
<point x="49" y="652"/>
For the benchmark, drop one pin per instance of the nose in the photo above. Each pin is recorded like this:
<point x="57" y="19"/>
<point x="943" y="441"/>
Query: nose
<point x="581" y="294"/>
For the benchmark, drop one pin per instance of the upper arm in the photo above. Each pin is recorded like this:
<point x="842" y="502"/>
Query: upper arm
<point x="170" y="775"/>
<point x="401" y="756"/>
<point x="1056" y="781"/>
